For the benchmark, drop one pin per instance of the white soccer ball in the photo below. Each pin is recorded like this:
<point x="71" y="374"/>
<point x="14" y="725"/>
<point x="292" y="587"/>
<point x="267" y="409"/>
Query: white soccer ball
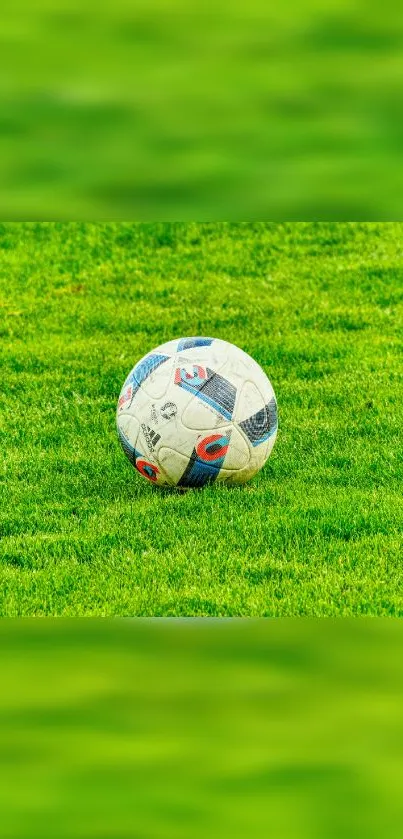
<point x="197" y="410"/>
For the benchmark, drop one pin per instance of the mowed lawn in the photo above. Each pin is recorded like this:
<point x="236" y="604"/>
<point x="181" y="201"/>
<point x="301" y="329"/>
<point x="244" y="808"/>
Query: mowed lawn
<point x="317" y="532"/>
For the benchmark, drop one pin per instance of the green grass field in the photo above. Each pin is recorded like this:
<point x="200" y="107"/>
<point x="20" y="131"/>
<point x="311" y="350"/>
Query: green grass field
<point x="318" y="532"/>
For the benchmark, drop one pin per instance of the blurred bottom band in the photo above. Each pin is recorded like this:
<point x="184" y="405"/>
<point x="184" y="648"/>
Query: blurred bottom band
<point x="194" y="728"/>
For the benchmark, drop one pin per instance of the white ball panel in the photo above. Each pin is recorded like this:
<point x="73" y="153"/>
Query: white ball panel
<point x="169" y="348"/>
<point x="238" y="454"/>
<point x="250" y="401"/>
<point x="215" y="358"/>
<point x="158" y="382"/>
<point x="258" y="457"/>
<point x="130" y="427"/>
<point x="173" y="463"/>
<point x="200" y="416"/>
<point x="239" y="477"/>
<point x="244" y="367"/>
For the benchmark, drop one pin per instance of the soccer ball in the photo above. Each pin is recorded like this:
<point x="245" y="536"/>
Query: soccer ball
<point x="197" y="410"/>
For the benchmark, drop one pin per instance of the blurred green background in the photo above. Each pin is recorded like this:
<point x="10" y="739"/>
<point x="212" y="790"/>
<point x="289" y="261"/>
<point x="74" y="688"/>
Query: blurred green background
<point x="167" y="110"/>
<point x="194" y="729"/>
